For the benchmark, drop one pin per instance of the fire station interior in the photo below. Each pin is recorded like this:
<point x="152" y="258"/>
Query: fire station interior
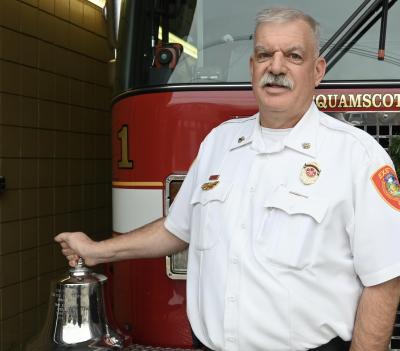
<point x="54" y="148"/>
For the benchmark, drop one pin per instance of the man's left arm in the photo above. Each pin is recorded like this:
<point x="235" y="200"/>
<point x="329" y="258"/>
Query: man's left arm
<point x="375" y="316"/>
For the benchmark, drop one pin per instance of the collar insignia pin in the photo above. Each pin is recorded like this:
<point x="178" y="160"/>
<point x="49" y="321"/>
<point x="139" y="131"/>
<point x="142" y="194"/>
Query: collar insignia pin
<point x="310" y="173"/>
<point x="306" y="146"/>
<point x="241" y="139"/>
<point x="209" y="185"/>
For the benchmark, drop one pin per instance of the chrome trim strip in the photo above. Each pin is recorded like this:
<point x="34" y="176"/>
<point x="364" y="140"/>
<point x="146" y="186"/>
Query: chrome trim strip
<point x="170" y="273"/>
<point x="180" y="87"/>
<point x="171" y="178"/>
<point x="359" y="84"/>
<point x="168" y="259"/>
<point x="339" y="84"/>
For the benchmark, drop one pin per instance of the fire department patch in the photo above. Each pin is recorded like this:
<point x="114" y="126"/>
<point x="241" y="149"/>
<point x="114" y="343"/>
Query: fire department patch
<point x="310" y="173"/>
<point x="387" y="184"/>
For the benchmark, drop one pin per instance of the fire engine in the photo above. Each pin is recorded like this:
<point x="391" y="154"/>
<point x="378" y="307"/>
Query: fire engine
<point x="182" y="68"/>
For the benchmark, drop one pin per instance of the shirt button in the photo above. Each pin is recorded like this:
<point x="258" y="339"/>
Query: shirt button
<point x="235" y="260"/>
<point x="243" y="226"/>
<point x="232" y="298"/>
<point x="231" y="339"/>
<point x="252" y="189"/>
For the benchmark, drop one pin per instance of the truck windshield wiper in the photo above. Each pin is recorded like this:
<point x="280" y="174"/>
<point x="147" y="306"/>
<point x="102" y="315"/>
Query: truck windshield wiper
<point x="366" y="19"/>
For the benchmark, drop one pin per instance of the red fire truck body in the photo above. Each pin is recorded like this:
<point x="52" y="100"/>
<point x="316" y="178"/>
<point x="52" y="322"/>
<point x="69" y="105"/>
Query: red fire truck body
<point x="147" y="303"/>
<point x="157" y="127"/>
<point x="152" y="300"/>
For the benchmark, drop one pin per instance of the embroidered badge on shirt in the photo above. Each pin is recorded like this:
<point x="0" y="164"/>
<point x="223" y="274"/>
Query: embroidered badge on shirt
<point x="387" y="184"/>
<point x="310" y="173"/>
<point x="213" y="182"/>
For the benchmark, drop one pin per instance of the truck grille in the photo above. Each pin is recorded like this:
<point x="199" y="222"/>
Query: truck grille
<point x="383" y="126"/>
<point x="395" y="342"/>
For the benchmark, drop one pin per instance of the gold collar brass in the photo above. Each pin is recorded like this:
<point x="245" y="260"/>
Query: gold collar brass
<point x="209" y="185"/>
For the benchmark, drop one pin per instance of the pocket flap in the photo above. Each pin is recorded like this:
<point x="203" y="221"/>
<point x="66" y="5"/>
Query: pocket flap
<point x="296" y="203"/>
<point x="217" y="193"/>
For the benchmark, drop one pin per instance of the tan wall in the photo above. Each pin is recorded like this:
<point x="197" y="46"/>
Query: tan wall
<point x="54" y="148"/>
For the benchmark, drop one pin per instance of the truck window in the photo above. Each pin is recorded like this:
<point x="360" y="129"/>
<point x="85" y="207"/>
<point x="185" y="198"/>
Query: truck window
<point x="205" y="41"/>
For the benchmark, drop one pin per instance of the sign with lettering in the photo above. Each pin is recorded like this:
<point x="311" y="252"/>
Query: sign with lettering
<point x="358" y="100"/>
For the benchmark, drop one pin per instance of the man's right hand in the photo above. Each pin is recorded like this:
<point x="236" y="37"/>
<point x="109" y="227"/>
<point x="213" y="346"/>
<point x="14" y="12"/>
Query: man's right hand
<point x="75" y="245"/>
<point x="150" y="241"/>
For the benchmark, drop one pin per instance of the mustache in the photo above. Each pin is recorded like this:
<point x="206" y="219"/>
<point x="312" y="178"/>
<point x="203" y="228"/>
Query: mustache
<point x="276" y="79"/>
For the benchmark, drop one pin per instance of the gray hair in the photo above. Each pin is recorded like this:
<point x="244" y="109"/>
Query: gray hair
<point x="283" y="15"/>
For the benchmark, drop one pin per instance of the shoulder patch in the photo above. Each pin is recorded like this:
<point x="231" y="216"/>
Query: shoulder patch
<point x="387" y="185"/>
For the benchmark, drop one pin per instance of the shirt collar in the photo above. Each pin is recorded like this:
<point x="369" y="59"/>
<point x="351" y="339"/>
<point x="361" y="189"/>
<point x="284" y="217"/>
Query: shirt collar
<point x="302" y="138"/>
<point x="245" y="135"/>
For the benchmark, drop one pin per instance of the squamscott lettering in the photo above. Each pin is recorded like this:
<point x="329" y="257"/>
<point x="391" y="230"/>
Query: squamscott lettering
<point x="359" y="101"/>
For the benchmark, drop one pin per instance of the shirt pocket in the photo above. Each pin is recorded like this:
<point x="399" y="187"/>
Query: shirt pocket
<point x="209" y="211"/>
<point x="289" y="229"/>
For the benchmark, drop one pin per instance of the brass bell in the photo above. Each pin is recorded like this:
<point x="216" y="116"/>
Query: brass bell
<point x="76" y="318"/>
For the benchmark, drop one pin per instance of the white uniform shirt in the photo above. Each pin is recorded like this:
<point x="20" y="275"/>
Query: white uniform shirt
<point x="275" y="264"/>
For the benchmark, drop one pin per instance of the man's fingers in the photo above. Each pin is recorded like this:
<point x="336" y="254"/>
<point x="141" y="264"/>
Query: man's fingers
<point x="68" y="252"/>
<point x="74" y="245"/>
<point x="72" y="260"/>
<point x="64" y="245"/>
<point x="72" y="257"/>
<point x="72" y="263"/>
<point x="60" y="237"/>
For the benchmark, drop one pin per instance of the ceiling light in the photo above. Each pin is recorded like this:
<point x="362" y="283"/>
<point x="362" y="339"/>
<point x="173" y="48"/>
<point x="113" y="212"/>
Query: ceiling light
<point x="99" y="3"/>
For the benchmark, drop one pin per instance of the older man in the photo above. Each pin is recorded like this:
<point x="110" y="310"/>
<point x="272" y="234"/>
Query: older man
<point x="293" y="232"/>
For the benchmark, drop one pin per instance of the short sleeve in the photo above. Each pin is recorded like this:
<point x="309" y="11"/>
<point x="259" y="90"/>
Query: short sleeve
<point x="180" y="212"/>
<point x="376" y="241"/>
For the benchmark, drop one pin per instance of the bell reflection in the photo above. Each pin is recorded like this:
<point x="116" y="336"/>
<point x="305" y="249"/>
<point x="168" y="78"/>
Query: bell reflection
<point x="76" y="317"/>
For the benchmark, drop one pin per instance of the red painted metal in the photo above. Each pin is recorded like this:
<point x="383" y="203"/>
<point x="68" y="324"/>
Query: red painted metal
<point x="165" y="131"/>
